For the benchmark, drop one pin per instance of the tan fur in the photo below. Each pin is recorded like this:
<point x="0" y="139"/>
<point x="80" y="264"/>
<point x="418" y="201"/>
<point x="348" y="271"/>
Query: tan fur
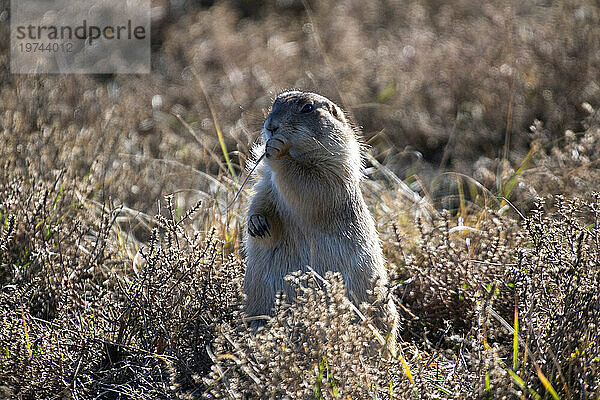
<point x="308" y="208"/>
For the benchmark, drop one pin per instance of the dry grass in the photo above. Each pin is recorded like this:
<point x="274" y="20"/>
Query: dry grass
<point x="473" y="111"/>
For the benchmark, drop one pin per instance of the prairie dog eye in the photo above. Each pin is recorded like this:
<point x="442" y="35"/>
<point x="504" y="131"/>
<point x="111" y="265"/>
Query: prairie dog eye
<point x="307" y="108"/>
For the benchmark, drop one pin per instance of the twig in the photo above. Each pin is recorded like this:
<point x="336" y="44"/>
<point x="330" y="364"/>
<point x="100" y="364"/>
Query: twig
<point x="246" y="180"/>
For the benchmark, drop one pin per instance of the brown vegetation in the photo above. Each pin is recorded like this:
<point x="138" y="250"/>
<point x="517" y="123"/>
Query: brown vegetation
<point x="486" y="109"/>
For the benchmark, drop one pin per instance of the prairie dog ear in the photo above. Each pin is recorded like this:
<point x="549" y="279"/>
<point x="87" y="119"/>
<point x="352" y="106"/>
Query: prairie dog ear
<point x="337" y="113"/>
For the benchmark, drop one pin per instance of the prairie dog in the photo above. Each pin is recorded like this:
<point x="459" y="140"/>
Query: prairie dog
<point x="308" y="208"/>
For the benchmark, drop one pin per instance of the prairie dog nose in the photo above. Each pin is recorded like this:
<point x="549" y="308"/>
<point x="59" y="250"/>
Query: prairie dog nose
<point x="271" y="125"/>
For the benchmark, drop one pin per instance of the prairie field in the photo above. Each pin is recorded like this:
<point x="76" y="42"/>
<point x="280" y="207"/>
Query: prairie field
<point x="121" y="255"/>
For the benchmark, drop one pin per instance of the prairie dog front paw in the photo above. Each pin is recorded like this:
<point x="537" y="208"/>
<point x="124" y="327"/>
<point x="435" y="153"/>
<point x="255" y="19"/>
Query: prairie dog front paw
<point x="277" y="146"/>
<point x="258" y="226"/>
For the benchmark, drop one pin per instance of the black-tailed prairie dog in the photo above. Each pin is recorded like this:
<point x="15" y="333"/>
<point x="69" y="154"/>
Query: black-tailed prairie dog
<point x="307" y="207"/>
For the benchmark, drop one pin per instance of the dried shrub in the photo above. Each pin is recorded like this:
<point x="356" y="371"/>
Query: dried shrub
<point x="454" y="271"/>
<point x="456" y="86"/>
<point x="569" y="164"/>
<point x="313" y="348"/>
<point x="557" y="280"/>
<point x="555" y="165"/>
<point x="79" y="321"/>
<point x="461" y="295"/>
<point x="55" y="260"/>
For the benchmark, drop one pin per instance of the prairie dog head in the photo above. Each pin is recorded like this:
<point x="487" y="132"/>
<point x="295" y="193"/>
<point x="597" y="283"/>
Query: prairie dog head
<point x="312" y="124"/>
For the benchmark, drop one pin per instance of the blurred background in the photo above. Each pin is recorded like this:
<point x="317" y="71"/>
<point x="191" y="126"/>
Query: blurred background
<point x="461" y="101"/>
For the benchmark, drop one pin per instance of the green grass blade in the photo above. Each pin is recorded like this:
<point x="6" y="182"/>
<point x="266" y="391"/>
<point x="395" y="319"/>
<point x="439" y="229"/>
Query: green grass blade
<point x="26" y="334"/>
<point x="407" y="370"/>
<point x="522" y="384"/>
<point x="218" y="129"/>
<point x="546" y="383"/>
<point x="57" y="198"/>
<point x="507" y="189"/>
<point x="516" y="340"/>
